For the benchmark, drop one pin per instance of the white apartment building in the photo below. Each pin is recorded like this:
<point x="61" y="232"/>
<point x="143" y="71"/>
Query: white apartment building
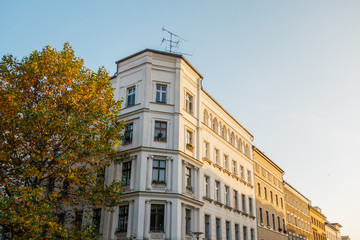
<point x="190" y="162"/>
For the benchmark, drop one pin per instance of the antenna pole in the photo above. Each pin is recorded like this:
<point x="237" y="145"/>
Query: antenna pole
<point x="173" y="43"/>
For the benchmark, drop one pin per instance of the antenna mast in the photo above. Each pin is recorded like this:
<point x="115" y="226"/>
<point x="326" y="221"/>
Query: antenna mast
<point x="173" y="42"/>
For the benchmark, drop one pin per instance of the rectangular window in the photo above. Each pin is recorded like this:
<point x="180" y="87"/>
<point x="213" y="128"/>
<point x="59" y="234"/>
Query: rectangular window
<point x="123" y="218"/>
<point x="228" y="231"/>
<point x="261" y="216"/>
<point x="217" y="191"/>
<point x="265" y="192"/>
<point x="206" y="150"/>
<point x="243" y="202"/>
<point x="160" y="133"/>
<point x="278" y="218"/>
<point x="218" y="229"/>
<point x="245" y="234"/>
<point x="161" y="93"/>
<point x="207" y="226"/>
<point x="257" y="167"/>
<point x="264" y="172"/>
<point x="237" y="232"/>
<point x="188" y="178"/>
<point x="189" y="103"/>
<point x="282" y="204"/>
<point x="236" y="199"/>
<point x="234" y="168"/>
<point x="250" y="206"/>
<point x="227" y="195"/>
<point x="207" y="186"/>
<point x="157" y="218"/>
<point x="252" y="234"/>
<point x="128" y="134"/>
<point x="259" y="189"/>
<point x="226" y="162"/>
<point x="126" y="173"/>
<point x="189" y="144"/>
<point x="267" y="219"/>
<point x="188" y="221"/>
<point x="283" y="222"/>
<point x="242" y="172"/>
<point x="216" y="156"/>
<point x="131" y="96"/>
<point x="273" y="221"/>
<point x="96" y="219"/>
<point x="249" y="176"/>
<point x="276" y="199"/>
<point x="271" y="197"/>
<point x="158" y="173"/>
<point x="78" y="219"/>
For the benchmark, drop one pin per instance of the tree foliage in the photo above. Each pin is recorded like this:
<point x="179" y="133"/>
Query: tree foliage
<point x="58" y="132"/>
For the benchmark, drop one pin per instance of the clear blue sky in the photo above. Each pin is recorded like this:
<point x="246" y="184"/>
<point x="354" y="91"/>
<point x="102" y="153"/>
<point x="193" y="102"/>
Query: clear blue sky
<point x="289" y="71"/>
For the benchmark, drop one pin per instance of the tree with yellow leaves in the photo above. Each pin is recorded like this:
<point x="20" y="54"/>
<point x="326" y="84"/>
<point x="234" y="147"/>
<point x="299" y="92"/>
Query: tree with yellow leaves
<point x="59" y="130"/>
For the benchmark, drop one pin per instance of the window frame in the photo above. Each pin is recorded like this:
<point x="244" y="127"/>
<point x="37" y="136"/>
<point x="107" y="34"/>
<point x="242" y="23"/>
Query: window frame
<point x="160" y="133"/>
<point x="161" y="92"/>
<point x="126" y="173"/>
<point x="157" y="215"/>
<point x="159" y="170"/>
<point x="130" y="96"/>
<point x="123" y="218"/>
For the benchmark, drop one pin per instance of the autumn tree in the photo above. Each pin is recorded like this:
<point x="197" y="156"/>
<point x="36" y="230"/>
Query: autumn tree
<point x="58" y="133"/>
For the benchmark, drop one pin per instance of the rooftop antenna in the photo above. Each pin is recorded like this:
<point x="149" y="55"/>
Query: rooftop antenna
<point x="172" y="44"/>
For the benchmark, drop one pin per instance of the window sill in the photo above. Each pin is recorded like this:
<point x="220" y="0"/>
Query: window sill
<point x="227" y="172"/>
<point x="207" y="160"/>
<point x="237" y="210"/>
<point x="218" y="166"/>
<point x="228" y="207"/>
<point x="164" y="140"/>
<point x="207" y="199"/>
<point x="218" y="203"/>
<point x="133" y="105"/>
<point x="234" y="175"/>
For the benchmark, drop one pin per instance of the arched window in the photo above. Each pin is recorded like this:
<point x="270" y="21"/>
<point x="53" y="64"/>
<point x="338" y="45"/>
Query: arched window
<point x="223" y="131"/>
<point x="215" y="125"/>
<point x="232" y="138"/>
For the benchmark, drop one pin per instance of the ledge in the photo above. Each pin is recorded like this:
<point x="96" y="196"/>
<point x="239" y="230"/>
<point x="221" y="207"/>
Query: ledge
<point x="207" y="160"/>
<point x="227" y="172"/>
<point x="218" y="203"/>
<point x="237" y="210"/>
<point x="218" y="166"/>
<point x="252" y="216"/>
<point x="245" y="214"/>
<point x="228" y="207"/>
<point x="207" y="199"/>
<point x="234" y="175"/>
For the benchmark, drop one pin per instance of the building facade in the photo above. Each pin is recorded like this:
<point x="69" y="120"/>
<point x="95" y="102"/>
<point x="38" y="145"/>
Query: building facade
<point x="332" y="231"/>
<point x="317" y="223"/>
<point x="298" y="214"/>
<point x="270" y="207"/>
<point x="189" y="167"/>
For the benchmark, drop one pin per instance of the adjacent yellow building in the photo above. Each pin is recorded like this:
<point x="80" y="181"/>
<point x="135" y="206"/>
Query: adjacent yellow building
<point x="317" y="223"/>
<point x="298" y="216"/>
<point x="269" y="198"/>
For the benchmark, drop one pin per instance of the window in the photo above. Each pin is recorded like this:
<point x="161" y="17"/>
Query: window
<point x="259" y="189"/>
<point x="188" y="221"/>
<point x="226" y="162"/>
<point x="237" y="232"/>
<point x="128" y="134"/>
<point x="242" y="172"/>
<point x="273" y="221"/>
<point x="96" y="219"/>
<point x="189" y="144"/>
<point x="245" y="234"/>
<point x="271" y="197"/>
<point x="158" y="173"/>
<point x="283" y="223"/>
<point x="236" y="199"/>
<point x="78" y="219"/>
<point x="217" y="191"/>
<point x="227" y="195"/>
<point x="261" y="216"/>
<point x="206" y="150"/>
<point x="218" y="229"/>
<point x="160" y="93"/>
<point x="264" y="172"/>
<point x="188" y="177"/>
<point x="207" y="186"/>
<point x="257" y="167"/>
<point x="207" y="226"/>
<point x="278" y="218"/>
<point x="160" y="133"/>
<point x="123" y="218"/>
<point x="252" y="234"/>
<point x="234" y="168"/>
<point x="131" y="96"/>
<point x="265" y="192"/>
<point x="243" y="202"/>
<point x="228" y="231"/>
<point x="249" y="176"/>
<point x="126" y="173"/>
<point x="189" y="103"/>
<point x="250" y="206"/>
<point x="157" y="218"/>
<point x="282" y="204"/>
<point x="216" y="156"/>
<point x="267" y="219"/>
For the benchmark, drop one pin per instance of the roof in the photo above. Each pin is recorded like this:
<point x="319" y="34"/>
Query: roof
<point x="269" y="160"/>
<point x="163" y="53"/>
